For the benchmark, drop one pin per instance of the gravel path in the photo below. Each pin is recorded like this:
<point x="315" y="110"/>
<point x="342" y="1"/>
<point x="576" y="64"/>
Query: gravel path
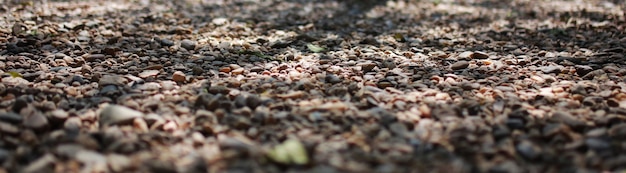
<point x="312" y="86"/>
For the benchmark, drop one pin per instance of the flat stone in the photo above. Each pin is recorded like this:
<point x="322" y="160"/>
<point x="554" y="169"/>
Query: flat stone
<point x="465" y="55"/>
<point x="148" y="73"/>
<point x="90" y="157"/>
<point x="459" y="65"/>
<point x="551" y="69"/>
<point x="566" y="118"/>
<point x="479" y="55"/>
<point x="116" y="114"/>
<point x="10" y="129"/>
<point x="43" y="164"/>
<point x="11" y="117"/>
<point x="597" y="144"/>
<point x="112" y="80"/>
<point x="14" y="81"/>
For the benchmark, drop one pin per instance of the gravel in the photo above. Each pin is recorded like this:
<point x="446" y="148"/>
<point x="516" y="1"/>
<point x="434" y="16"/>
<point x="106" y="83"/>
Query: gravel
<point x="320" y="86"/>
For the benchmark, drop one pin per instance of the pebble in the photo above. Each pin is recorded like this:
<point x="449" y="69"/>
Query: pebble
<point x="188" y="44"/>
<point x="582" y="70"/>
<point x="597" y="144"/>
<point x="147" y="73"/>
<point x="528" y="150"/>
<point x="112" y="80"/>
<point x="166" y="42"/>
<point x="333" y="79"/>
<point x="42" y="164"/>
<point x="367" y="67"/>
<point x="88" y="157"/>
<point x="459" y="65"/>
<point x="179" y="77"/>
<point x="72" y="123"/>
<point x="219" y="21"/>
<point x="11" y="117"/>
<point x="465" y="55"/>
<point x="4" y="155"/>
<point x="118" y="163"/>
<point x="566" y="118"/>
<point x="479" y="55"/>
<point x="10" y="129"/>
<point x="551" y="69"/>
<point x="36" y="121"/>
<point x="116" y="114"/>
<point x="58" y="114"/>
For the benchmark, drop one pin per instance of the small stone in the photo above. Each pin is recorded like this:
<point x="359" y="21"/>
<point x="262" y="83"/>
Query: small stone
<point x="112" y="80"/>
<point x="4" y="155"/>
<point x="154" y="67"/>
<point x="72" y="123"/>
<point x="11" y="117"/>
<point x="14" y="81"/>
<point x="58" y="114"/>
<point x="118" y="163"/>
<point x="166" y="42"/>
<point x="333" y="79"/>
<point x="89" y="157"/>
<point x="168" y="85"/>
<point x="35" y="121"/>
<point x="219" y="21"/>
<point x="551" y="69"/>
<point x="597" y="144"/>
<point x="582" y="70"/>
<point x="459" y="65"/>
<point x="253" y="101"/>
<point x="566" y="118"/>
<point x="116" y="114"/>
<point x="94" y="57"/>
<point x="224" y="45"/>
<point x="528" y="150"/>
<point x="237" y="71"/>
<point x="465" y="55"/>
<point x="147" y="73"/>
<point x="367" y="67"/>
<point x="219" y="90"/>
<point x="389" y="63"/>
<point x="188" y="44"/>
<point x="43" y="164"/>
<point x="179" y="77"/>
<point x="9" y="129"/>
<point x="597" y="132"/>
<point x="140" y="125"/>
<point x="224" y="69"/>
<point x="479" y="55"/>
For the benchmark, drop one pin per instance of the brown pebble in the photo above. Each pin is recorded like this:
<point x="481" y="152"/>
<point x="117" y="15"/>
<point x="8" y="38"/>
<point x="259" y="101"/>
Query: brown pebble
<point x="179" y="76"/>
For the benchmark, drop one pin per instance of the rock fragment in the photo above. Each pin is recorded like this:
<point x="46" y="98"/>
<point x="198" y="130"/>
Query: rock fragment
<point x="116" y="114"/>
<point x="459" y="65"/>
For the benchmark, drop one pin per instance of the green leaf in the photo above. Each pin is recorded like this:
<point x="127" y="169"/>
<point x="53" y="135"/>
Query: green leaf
<point x="289" y="152"/>
<point x="315" y="48"/>
<point x="14" y="74"/>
